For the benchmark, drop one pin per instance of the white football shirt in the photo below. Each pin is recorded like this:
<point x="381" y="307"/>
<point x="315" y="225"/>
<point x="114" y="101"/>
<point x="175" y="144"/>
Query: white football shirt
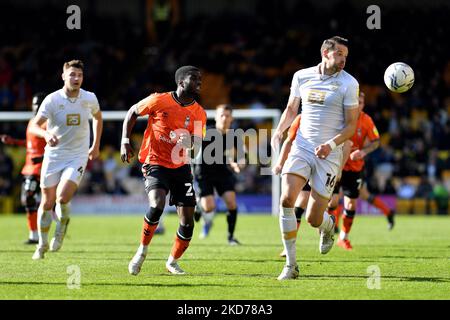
<point x="324" y="100"/>
<point x="68" y="119"/>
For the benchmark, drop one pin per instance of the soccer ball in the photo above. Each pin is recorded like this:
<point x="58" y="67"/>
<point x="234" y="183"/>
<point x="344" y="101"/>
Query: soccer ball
<point x="399" y="77"/>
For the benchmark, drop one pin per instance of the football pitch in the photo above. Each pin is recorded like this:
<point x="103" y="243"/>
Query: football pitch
<point x="410" y="262"/>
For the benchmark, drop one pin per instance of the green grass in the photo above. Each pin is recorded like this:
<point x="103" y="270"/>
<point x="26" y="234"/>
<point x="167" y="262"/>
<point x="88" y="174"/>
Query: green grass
<point x="413" y="260"/>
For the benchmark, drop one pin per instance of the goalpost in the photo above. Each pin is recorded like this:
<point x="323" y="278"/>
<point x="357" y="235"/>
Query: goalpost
<point x="238" y="114"/>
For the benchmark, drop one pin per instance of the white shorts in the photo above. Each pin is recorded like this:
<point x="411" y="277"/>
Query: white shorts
<point x="53" y="171"/>
<point x="321" y="173"/>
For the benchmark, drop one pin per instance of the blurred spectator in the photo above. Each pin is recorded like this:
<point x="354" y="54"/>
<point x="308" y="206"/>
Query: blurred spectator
<point x="441" y="198"/>
<point x="6" y="171"/>
<point x="425" y="191"/>
<point x="162" y="17"/>
<point x="435" y="166"/>
<point x="6" y="98"/>
<point x="406" y="191"/>
<point x="96" y="175"/>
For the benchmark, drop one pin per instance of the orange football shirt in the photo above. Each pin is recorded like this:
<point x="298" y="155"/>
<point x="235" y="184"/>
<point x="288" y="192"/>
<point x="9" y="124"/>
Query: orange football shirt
<point x="364" y="128"/>
<point x="35" y="148"/>
<point x="167" y="118"/>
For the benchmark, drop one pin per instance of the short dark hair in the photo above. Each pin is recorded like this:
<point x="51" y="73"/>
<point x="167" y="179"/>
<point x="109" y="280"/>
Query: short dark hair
<point x="74" y="63"/>
<point x="225" y="106"/>
<point x="330" y="44"/>
<point x="183" y="71"/>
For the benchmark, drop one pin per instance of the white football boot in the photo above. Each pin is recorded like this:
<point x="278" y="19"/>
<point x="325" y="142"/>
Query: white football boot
<point x="40" y="252"/>
<point x="134" y="267"/>
<point x="174" y="268"/>
<point x="289" y="273"/>
<point x="327" y="237"/>
<point x="60" y="233"/>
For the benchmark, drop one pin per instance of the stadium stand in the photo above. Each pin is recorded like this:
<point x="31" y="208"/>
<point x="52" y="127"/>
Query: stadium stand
<point x="248" y="58"/>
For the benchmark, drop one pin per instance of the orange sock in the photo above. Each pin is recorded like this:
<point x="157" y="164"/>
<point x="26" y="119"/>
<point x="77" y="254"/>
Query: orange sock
<point x="347" y="223"/>
<point x="179" y="247"/>
<point x="298" y="224"/>
<point x="148" y="230"/>
<point x="340" y="208"/>
<point x="335" y="213"/>
<point x="377" y="202"/>
<point x="32" y="220"/>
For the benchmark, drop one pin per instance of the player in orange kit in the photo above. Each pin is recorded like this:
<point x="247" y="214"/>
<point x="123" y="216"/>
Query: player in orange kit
<point x="176" y="125"/>
<point x="31" y="171"/>
<point x="352" y="175"/>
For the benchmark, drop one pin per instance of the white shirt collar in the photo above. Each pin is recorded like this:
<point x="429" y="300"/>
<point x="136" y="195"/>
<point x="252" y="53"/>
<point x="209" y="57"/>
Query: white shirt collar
<point x="64" y="95"/>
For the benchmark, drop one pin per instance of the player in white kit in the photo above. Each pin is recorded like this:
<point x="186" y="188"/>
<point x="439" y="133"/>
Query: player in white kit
<point x="329" y="97"/>
<point x="67" y="112"/>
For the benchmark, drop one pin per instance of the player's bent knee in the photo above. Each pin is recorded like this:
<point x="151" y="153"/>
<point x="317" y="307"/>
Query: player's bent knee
<point x="287" y="202"/>
<point x="63" y="199"/>
<point x="185" y="231"/>
<point x="153" y="215"/>
<point x="30" y="203"/>
<point x="208" y="208"/>
<point x="48" y="205"/>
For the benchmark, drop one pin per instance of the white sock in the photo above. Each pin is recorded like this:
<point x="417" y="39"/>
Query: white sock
<point x="33" y="235"/>
<point x="171" y="260"/>
<point x="44" y="223"/>
<point x="208" y="216"/>
<point x="62" y="211"/>
<point x="142" y="250"/>
<point x="343" y="235"/>
<point x="288" y="227"/>
<point x="327" y="222"/>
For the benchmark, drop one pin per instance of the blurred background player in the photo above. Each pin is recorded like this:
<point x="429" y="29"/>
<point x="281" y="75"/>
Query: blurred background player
<point x="302" y="199"/>
<point x="31" y="171"/>
<point x="217" y="171"/>
<point x="175" y="126"/>
<point x="352" y="180"/>
<point x="66" y="112"/>
<point x="329" y="98"/>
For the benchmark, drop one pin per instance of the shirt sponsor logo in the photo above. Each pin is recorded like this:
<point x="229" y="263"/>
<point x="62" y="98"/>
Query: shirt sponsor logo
<point x="73" y="119"/>
<point x="316" y="96"/>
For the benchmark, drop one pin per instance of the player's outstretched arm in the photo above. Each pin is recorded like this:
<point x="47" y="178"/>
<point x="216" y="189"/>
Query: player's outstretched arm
<point x="368" y="148"/>
<point x="36" y="129"/>
<point x="7" y="139"/>
<point x="285" y="149"/>
<point x="286" y="120"/>
<point x="126" y="151"/>
<point x="97" y="124"/>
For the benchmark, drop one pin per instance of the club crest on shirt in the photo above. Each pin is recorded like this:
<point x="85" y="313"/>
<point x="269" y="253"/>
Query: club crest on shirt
<point x="73" y="119"/>
<point x="335" y="85"/>
<point x="186" y="122"/>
